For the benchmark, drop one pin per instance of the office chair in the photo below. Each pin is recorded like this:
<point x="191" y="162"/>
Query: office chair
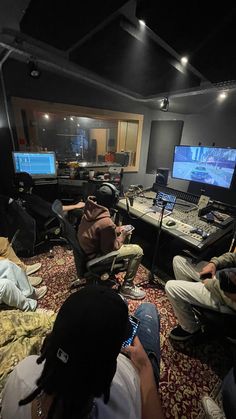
<point x="32" y="215"/>
<point x="100" y="270"/>
<point x="222" y="324"/>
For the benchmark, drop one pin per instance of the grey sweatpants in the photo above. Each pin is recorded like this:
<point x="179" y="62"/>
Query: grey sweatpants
<point x="186" y="292"/>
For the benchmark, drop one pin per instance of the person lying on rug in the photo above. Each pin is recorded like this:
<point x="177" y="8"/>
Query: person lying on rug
<point x="82" y="372"/>
<point x="217" y="291"/>
<point x="98" y="235"/>
<point x="15" y="288"/>
<point x="7" y="252"/>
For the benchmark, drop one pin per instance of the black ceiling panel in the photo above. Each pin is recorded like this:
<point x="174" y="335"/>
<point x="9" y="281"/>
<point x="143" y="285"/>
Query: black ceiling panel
<point x="96" y="39"/>
<point x="140" y="66"/>
<point x="205" y="33"/>
<point x="63" y="23"/>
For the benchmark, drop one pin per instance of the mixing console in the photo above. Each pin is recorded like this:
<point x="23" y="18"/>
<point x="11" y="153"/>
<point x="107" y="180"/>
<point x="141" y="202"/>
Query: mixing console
<point x="186" y="226"/>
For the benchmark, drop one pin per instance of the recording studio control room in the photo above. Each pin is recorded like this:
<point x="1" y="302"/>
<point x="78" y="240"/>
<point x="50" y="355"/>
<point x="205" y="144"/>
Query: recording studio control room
<point x="117" y="210"/>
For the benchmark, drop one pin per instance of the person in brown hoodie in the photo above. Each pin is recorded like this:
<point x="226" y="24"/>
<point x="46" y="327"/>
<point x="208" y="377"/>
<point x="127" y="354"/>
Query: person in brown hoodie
<point x="98" y="235"/>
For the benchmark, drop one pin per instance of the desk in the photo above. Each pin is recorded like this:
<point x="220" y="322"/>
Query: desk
<point x="177" y="237"/>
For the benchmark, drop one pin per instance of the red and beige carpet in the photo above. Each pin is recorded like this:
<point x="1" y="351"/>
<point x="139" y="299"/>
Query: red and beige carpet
<point x="188" y="371"/>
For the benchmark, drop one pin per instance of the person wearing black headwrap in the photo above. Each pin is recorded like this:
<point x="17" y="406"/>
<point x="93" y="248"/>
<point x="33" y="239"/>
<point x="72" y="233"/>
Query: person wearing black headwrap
<point x="81" y="373"/>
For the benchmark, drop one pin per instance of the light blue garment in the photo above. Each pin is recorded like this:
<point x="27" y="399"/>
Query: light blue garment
<point x="15" y="289"/>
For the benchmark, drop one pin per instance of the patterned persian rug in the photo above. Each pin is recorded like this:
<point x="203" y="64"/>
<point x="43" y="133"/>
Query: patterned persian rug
<point x="188" y="371"/>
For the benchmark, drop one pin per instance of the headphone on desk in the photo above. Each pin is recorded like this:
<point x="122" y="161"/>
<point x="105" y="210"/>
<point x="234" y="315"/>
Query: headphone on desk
<point x="107" y="192"/>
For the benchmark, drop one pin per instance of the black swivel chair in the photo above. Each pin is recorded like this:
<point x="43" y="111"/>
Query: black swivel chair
<point x="221" y="324"/>
<point x="33" y="216"/>
<point x="100" y="270"/>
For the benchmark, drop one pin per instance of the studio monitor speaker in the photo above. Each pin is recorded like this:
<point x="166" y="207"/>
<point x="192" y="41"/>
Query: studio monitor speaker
<point x="162" y="176"/>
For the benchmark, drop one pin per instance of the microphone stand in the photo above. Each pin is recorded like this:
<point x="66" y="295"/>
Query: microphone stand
<point x="157" y="244"/>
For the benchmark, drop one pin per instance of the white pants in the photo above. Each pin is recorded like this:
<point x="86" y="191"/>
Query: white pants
<point x="15" y="289"/>
<point x="134" y="254"/>
<point x="184" y="293"/>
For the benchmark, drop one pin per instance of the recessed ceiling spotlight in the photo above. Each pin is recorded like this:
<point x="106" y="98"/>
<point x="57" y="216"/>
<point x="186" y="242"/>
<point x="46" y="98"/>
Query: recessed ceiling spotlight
<point x="64" y="119"/>
<point x="71" y="118"/>
<point x="184" y="60"/>
<point x="142" y="23"/>
<point x="78" y="125"/>
<point x="222" y="96"/>
<point x="46" y="116"/>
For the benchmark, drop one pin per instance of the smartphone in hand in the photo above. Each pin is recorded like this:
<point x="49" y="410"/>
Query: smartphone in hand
<point x="206" y="275"/>
<point x="132" y="327"/>
<point x="128" y="228"/>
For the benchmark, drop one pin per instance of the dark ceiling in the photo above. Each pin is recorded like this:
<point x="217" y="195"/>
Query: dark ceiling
<point x="106" y="39"/>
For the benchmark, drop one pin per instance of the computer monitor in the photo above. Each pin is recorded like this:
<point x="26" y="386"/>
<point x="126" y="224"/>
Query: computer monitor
<point x="210" y="165"/>
<point x="38" y="165"/>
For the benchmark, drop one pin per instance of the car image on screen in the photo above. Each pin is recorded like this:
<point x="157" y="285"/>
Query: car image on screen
<point x="199" y="173"/>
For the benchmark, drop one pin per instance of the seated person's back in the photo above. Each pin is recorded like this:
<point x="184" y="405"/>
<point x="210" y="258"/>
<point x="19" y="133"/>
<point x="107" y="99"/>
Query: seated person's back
<point x="97" y="232"/>
<point x="98" y="235"/>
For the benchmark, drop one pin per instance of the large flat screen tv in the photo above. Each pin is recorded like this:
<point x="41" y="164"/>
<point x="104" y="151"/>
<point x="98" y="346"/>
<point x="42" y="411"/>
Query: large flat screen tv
<point x="38" y="165"/>
<point x="210" y="165"/>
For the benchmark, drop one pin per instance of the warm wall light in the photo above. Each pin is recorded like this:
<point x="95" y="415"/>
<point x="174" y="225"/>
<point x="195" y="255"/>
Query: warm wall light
<point x="46" y="116"/>
<point x="164" y="106"/>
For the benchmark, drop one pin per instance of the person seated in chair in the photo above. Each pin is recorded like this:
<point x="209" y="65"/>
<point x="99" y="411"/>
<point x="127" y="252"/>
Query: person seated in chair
<point x="82" y="372"/>
<point x="38" y="207"/>
<point x="16" y="290"/>
<point x="216" y="292"/>
<point x="98" y="235"/>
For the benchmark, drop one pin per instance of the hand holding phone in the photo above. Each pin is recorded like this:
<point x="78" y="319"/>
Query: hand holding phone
<point x="132" y="328"/>
<point x="128" y="228"/>
<point x="206" y="275"/>
<point x="208" y="271"/>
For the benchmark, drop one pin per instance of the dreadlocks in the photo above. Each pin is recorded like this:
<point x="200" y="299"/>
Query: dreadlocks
<point x="80" y="354"/>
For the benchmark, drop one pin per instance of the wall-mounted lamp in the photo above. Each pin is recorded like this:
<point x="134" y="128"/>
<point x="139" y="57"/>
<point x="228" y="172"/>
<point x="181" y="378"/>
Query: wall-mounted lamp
<point x="164" y="106"/>
<point x="33" y="69"/>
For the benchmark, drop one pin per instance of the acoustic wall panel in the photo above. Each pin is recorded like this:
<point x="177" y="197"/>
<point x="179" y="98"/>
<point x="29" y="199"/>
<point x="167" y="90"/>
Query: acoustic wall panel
<point x="163" y="138"/>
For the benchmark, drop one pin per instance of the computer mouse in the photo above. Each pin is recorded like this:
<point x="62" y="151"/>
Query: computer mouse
<point x="170" y="223"/>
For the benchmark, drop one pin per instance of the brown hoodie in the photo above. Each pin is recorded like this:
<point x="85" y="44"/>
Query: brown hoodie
<point x="97" y="232"/>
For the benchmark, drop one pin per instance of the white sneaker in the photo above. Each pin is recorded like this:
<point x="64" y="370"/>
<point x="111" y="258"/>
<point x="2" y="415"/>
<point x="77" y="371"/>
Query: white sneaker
<point x="35" y="280"/>
<point x="212" y="410"/>
<point x="132" y="292"/>
<point x="31" y="269"/>
<point x="40" y="292"/>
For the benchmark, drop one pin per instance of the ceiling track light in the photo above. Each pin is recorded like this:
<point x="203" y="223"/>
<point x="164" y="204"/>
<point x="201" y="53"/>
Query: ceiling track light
<point x="164" y="106"/>
<point x="34" y="71"/>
